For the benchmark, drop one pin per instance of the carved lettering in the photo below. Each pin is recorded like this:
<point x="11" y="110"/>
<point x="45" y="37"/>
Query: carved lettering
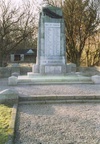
<point x="52" y="39"/>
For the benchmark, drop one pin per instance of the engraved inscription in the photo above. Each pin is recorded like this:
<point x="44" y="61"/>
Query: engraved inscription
<point x="52" y="39"/>
<point x="51" y="62"/>
<point x="53" y="70"/>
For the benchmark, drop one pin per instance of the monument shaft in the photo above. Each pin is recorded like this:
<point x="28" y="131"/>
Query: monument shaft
<point x="51" y="51"/>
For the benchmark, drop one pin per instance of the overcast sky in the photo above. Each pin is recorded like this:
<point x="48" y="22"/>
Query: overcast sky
<point x="19" y="1"/>
<point x="37" y="2"/>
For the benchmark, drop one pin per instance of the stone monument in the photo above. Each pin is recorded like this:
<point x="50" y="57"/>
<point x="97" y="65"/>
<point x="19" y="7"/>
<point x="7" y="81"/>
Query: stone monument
<point x="51" y="66"/>
<point x="51" y="50"/>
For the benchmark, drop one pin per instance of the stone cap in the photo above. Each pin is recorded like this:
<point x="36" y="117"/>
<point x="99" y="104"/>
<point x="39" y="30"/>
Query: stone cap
<point x="96" y="79"/>
<point x="52" y="11"/>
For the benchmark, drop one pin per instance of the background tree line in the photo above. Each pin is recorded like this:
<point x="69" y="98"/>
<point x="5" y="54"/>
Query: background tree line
<point x="82" y="27"/>
<point x="18" y="26"/>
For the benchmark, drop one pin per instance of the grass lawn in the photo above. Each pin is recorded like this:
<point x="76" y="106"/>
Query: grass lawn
<point x="5" y="117"/>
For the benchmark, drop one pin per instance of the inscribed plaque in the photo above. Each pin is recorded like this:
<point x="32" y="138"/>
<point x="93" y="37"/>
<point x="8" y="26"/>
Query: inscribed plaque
<point x="52" y="39"/>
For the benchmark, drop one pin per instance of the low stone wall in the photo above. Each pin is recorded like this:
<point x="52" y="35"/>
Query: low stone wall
<point x="90" y="71"/>
<point x="22" y="70"/>
<point x="7" y="71"/>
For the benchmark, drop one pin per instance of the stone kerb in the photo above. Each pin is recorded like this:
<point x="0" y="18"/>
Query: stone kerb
<point x="96" y="79"/>
<point x="8" y="96"/>
<point x="12" y="125"/>
<point x="12" y="81"/>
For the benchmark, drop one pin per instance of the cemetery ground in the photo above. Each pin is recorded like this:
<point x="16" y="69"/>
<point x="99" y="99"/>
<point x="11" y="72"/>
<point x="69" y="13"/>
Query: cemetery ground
<point x="51" y="122"/>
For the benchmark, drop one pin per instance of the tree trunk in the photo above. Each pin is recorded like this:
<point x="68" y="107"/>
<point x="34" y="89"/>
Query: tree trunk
<point x="1" y="61"/>
<point x="78" y="63"/>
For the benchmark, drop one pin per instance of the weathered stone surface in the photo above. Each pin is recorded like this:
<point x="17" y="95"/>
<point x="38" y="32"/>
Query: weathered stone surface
<point x="90" y="71"/>
<point x="96" y="79"/>
<point x="35" y="69"/>
<point x="8" y="96"/>
<point x="25" y="69"/>
<point x="53" y="79"/>
<point x="68" y="68"/>
<point x="15" y="69"/>
<point x="15" y="74"/>
<point x="12" y="81"/>
<point x="5" y="71"/>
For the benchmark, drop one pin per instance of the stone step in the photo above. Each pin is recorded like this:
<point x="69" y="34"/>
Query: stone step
<point x="54" y="79"/>
<point x="60" y="101"/>
<point x="59" y="98"/>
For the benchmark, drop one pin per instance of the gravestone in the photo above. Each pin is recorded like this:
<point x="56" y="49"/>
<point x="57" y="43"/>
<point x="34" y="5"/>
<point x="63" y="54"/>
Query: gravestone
<point x="51" y="50"/>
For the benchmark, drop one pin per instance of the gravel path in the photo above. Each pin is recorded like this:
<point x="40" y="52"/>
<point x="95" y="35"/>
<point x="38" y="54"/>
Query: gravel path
<point x="58" y="124"/>
<point x="69" y="89"/>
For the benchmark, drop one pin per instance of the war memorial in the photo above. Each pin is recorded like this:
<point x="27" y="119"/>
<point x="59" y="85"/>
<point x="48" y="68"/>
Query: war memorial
<point x="51" y="56"/>
<point x="51" y="62"/>
<point x="66" y="109"/>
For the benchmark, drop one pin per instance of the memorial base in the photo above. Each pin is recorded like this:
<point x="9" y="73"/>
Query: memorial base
<point x="32" y="78"/>
<point x="49" y="69"/>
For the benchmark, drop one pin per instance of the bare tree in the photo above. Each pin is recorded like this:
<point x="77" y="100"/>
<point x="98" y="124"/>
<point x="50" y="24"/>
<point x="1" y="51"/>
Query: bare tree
<point x="81" y="21"/>
<point x="56" y="3"/>
<point x="92" y="50"/>
<point x="16" y="26"/>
